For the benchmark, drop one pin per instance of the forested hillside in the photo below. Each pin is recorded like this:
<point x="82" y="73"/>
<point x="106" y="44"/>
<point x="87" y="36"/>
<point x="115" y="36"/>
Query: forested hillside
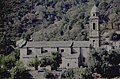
<point x="56" y="19"/>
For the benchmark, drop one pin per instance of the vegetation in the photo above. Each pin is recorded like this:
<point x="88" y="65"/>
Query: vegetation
<point x="49" y="75"/>
<point x="34" y="62"/>
<point x="8" y="61"/>
<point x="69" y="74"/>
<point x="10" y="67"/>
<point x="45" y="61"/>
<point x="17" y="70"/>
<point x="100" y="65"/>
<point x="77" y="73"/>
<point x="54" y="60"/>
<point x="104" y="62"/>
<point x="54" y="20"/>
<point x="115" y="37"/>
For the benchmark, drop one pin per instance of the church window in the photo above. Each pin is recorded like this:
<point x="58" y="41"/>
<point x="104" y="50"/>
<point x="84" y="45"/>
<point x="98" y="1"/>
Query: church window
<point x="68" y="64"/>
<point x="43" y="50"/>
<point x="46" y="50"/>
<point x="93" y="14"/>
<point x="29" y="51"/>
<point x="93" y="26"/>
<point x="61" y="33"/>
<point x="57" y="49"/>
<point x="62" y="50"/>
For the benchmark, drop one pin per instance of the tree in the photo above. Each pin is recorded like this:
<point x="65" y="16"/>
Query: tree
<point x="49" y="75"/>
<point x="115" y="37"/>
<point x="56" y="60"/>
<point x="45" y="61"/>
<point x="8" y="61"/>
<point x="70" y="74"/>
<point x="99" y="61"/>
<point x="2" y="70"/>
<point x="16" y="53"/>
<point x="114" y="57"/>
<point x="77" y="73"/>
<point x="17" y="71"/>
<point x="34" y="62"/>
<point x="6" y="45"/>
<point x="0" y="61"/>
<point x="102" y="61"/>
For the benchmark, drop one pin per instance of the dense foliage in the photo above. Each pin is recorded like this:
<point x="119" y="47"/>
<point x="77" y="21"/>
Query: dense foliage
<point x="55" y="19"/>
<point x="104" y="62"/>
<point x="10" y="66"/>
<point x="54" y="60"/>
<point x="77" y="73"/>
<point x="34" y="62"/>
<point x="115" y="37"/>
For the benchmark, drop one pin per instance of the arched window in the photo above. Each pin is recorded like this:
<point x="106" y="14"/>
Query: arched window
<point x="93" y="26"/>
<point x="29" y="51"/>
<point x="68" y="64"/>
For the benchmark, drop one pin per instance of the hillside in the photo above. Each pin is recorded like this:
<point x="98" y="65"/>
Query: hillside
<point x="73" y="25"/>
<point x="58" y="19"/>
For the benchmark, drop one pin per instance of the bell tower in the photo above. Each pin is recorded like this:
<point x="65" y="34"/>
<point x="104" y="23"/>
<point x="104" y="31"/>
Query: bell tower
<point x="94" y="27"/>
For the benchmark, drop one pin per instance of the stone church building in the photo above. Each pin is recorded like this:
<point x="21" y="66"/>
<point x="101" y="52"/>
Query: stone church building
<point x="74" y="53"/>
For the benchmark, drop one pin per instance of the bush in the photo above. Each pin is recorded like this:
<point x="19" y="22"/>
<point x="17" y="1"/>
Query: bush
<point x="34" y="62"/>
<point x="77" y="73"/>
<point x="17" y="71"/>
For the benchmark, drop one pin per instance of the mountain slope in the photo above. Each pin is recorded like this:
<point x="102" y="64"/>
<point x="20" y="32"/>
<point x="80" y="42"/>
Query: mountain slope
<point x="58" y="19"/>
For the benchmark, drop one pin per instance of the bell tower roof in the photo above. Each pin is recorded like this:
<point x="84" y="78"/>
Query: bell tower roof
<point x="94" y="9"/>
<point x="94" y="12"/>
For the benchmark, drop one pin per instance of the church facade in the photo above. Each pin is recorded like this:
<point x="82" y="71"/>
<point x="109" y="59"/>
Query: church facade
<point x="74" y="53"/>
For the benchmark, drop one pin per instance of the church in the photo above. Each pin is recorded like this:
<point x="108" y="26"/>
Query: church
<point x="74" y="53"/>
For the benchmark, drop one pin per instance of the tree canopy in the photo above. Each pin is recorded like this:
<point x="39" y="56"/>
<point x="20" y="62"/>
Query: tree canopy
<point x="54" y="19"/>
<point x="54" y="60"/>
<point x="103" y="62"/>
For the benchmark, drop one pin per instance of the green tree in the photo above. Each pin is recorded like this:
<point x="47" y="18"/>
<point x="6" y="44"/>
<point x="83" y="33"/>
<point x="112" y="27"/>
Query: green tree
<point x="1" y="69"/>
<point x="8" y="61"/>
<point x="102" y="62"/>
<point x="17" y="71"/>
<point x="114" y="57"/>
<point x="56" y="60"/>
<point x="99" y="60"/>
<point x="6" y="45"/>
<point x="16" y="53"/>
<point x="77" y="73"/>
<point x="49" y="75"/>
<point x="34" y="62"/>
<point x="70" y="74"/>
<point x="45" y="61"/>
